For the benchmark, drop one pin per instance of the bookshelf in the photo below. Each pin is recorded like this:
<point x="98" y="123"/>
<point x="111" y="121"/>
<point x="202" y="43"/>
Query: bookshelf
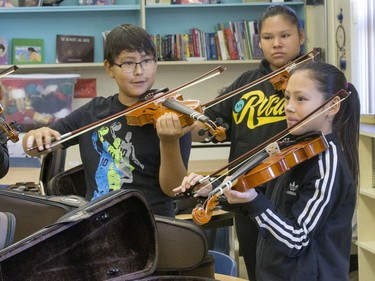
<point x="366" y="203"/>
<point x="70" y="18"/>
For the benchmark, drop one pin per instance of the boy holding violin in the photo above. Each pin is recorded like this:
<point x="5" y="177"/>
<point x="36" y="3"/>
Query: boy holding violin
<point x="305" y="217"/>
<point x="151" y="158"/>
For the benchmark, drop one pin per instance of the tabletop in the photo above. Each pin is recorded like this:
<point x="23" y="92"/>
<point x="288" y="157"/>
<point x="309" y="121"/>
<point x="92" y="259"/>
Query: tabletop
<point x="222" y="277"/>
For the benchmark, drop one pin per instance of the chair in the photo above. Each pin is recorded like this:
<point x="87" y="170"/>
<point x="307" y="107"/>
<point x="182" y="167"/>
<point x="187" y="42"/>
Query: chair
<point x="69" y="182"/>
<point x="53" y="163"/>
<point x="224" y="264"/>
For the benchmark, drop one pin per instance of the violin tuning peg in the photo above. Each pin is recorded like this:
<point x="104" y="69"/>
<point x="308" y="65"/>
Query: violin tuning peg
<point x="219" y="121"/>
<point x="202" y="132"/>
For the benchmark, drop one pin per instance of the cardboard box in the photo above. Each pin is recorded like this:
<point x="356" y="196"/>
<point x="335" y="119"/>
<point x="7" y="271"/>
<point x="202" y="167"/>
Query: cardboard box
<point x="36" y="100"/>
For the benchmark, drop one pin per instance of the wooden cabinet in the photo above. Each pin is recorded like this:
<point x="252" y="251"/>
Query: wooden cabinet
<point x="366" y="204"/>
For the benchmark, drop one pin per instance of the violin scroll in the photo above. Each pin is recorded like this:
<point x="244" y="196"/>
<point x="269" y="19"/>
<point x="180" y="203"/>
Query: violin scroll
<point x="280" y="81"/>
<point x="9" y="131"/>
<point x="217" y="131"/>
<point x="202" y="213"/>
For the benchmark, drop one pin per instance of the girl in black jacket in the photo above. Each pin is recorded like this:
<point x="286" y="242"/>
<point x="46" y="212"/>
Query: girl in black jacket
<point x="304" y="219"/>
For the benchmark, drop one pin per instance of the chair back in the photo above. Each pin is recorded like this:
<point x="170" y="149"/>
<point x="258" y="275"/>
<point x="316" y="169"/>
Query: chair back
<point x="224" y="264"/>
<point x="69" y="182"/>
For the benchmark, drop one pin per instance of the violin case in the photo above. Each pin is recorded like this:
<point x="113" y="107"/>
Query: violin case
<point x="115" y="237"/>
<point x="34" y="211"/>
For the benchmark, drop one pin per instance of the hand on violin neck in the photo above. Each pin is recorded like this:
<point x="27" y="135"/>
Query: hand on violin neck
<point x="169" y="128"/>
<point x="236" y="197"/>
<point x="194" y="185"/>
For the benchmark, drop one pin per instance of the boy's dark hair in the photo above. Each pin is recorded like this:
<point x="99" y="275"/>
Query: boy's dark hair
<point x="129" y="38"/>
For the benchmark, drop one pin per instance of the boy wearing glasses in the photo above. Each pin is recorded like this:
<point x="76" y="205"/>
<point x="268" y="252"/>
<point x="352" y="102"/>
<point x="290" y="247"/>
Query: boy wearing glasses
<point x="116" y="155"/>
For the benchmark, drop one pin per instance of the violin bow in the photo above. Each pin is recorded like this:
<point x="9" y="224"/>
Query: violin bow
<point x="288" y="67"/>
<point x="9" y="70"/>
<point x="65" y="137"/>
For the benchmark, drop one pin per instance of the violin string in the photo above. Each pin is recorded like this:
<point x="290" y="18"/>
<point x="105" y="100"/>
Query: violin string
<point x="295" y="127"/>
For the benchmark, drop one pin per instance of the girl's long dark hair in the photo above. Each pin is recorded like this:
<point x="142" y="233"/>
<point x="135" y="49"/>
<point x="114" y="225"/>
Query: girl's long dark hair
<point x="346" y="122"/>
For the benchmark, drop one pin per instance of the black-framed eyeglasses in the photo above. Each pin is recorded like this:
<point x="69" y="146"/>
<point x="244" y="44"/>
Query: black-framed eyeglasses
<point x="129" y="66"/>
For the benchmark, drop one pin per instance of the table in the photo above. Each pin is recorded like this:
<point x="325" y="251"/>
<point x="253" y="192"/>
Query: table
<point x="220" y="218"/>
<point x="222" y="277"/>
<point x="20" y="175"/>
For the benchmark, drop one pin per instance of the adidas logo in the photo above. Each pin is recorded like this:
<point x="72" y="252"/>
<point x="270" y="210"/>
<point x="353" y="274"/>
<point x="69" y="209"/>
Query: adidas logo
<point x="292" y="188"/>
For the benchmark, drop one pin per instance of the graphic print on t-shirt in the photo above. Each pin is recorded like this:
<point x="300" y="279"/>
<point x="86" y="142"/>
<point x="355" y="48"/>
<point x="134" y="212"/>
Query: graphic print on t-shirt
<point x="114" y="166"/>
<point x="257" y="110"/>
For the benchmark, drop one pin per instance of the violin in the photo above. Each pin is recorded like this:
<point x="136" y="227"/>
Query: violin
<point x="270" y="168"/>
<point x="187" y="111"/>
<point x="277" y="164"/>
<point x="4" y="126"/>
<point x="258" y="169"/>
<point x="9" y="131"/>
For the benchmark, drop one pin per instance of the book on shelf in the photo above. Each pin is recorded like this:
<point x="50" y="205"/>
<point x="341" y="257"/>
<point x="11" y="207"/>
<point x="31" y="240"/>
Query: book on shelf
<point x="211" y="46"/>
<point x="8" y="3"/>
<point x="224" y="54"/>
<point x="196" y="40"/>
<point x="3" y="51"/>
<point x="187" y="2"/>
<point x="30" y="3"/>
<point x="96" y="2"/>
<point x="257" y="51"/>
<point x="27" y="50"/>
<point x="231" y="44"/>
<point x="158" y="2"/>
<point x="74" y="48"/>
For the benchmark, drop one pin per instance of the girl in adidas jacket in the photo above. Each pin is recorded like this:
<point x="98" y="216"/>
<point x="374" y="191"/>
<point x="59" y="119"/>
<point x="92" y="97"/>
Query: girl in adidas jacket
<point x="304" y="220"/>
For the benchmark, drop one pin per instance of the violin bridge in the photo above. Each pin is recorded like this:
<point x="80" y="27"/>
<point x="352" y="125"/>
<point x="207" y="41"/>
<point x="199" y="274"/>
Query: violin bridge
<point x="272" y="148"/>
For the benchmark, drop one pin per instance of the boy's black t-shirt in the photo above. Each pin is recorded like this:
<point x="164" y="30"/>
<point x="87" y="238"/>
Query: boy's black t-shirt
<point x="116" y="155"/>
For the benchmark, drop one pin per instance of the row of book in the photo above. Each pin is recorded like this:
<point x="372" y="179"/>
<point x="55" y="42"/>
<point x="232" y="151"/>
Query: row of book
<point x="231" y="41"/>
<point x="69" y="49"/>
<point x="182" y="2"/>
<point x="35" y="3"/>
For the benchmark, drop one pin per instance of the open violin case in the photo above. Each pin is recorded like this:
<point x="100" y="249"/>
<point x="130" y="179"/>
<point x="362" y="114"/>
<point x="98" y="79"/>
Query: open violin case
<point x="115" y="237"/>
<point x="34" y="211"/>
